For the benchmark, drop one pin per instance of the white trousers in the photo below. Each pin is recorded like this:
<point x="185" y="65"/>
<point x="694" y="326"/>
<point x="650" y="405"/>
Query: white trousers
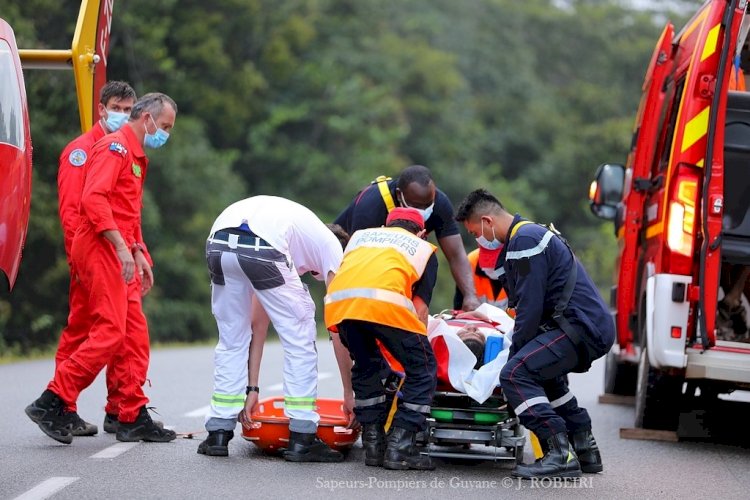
<point x="285" y="298"/>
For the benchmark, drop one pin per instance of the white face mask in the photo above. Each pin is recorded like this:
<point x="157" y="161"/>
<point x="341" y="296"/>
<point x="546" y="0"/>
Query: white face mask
<point x="425" y="212"/>
<point x="485" y="243"/>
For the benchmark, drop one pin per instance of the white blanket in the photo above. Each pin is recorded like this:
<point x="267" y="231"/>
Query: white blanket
<point x="477" y="384"/>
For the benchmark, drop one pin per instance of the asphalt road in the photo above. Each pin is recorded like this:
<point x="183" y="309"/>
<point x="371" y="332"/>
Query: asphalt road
<point x="33" y="466"/>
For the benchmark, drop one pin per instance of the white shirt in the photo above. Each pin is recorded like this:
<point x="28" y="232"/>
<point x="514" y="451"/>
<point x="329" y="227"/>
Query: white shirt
<point x="290" y="228"/>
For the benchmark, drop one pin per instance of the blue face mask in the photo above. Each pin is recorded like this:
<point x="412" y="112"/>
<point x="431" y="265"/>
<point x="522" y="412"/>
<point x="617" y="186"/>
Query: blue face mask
<point x="425" y="212"/>
<point x="157" y="139"/>
<point x="115" y="120"/>
<point x="485" y="243"/>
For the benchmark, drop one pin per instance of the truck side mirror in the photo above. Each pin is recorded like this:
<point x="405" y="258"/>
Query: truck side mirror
<point x="605" y="192"/>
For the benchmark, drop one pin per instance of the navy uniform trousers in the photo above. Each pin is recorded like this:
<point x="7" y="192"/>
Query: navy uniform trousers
<point x="415" y="354"/>
<point x="535" y="386"/>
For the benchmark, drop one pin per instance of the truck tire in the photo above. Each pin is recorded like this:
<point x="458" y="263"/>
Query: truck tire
<point x="658" y="397"/>
<point x="619" y="377"/>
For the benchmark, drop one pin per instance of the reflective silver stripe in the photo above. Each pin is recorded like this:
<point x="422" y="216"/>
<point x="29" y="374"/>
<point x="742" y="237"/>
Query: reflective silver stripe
<point x="369" y="402"/>
<point x="417" y="408"/>
<point x="562" y="400"/>
<point x="529" y="403"/>
<point x="371" y="293"/>
<point x="521" y="254"/>
<point x="493" y="274"/>
<point x="254" y="247"/>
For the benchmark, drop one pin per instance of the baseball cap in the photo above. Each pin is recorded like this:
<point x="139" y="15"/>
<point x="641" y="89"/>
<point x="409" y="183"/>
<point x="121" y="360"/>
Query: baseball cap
<point x="403" y="213"/>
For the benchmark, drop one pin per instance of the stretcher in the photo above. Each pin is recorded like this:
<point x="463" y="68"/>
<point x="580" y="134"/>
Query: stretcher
<point x="269" y="428"/>
<point x="459" y="426"/>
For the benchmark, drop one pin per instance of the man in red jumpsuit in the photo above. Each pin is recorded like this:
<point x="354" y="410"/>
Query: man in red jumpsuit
<point x="116" y="100"/>
<point x="109" y="259"/>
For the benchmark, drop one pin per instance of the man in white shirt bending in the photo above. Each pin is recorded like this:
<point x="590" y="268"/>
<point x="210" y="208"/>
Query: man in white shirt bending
<point x="256" y="252"/>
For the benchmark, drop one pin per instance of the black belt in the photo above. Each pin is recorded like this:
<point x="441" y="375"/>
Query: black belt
<point x="244" y="237"/>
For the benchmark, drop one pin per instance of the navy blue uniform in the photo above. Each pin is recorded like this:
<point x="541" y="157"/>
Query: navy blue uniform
<point x="368" y="210"/>
<point x="536" y="266"/>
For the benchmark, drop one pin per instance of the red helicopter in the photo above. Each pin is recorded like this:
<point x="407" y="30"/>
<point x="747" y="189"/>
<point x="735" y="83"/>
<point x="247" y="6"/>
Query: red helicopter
<point x="88" y="59"/>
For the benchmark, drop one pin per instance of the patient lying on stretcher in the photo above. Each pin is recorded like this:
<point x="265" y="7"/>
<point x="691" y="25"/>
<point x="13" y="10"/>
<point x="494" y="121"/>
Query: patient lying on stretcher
<point x="475" y="341"/>
<point x="470" y="351"/>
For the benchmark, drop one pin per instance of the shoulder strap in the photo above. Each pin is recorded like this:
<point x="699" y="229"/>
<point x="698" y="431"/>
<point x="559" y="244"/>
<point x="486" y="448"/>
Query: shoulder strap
<point x="518" y="226"/>
<point x="562" y="303"/>
<point x="382" y="182"/>
<point x="570" y="283"/>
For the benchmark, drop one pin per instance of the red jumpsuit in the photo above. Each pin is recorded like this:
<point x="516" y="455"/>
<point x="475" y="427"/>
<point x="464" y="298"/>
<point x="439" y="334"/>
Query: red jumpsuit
<point x="111" y="199"/>
<point x="69" y="186"/>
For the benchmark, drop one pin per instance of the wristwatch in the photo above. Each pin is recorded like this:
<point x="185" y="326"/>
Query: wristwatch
<point x="252" y="388"/>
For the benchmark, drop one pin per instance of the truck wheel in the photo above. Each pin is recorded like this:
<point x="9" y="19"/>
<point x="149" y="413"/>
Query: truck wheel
<point x="619" y="377"/>
<point x="657" y="398"/>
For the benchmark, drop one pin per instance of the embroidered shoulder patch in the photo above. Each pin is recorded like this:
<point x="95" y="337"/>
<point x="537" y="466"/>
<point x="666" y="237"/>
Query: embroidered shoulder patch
<point x="136" y="170"/>
<point x="119" y="148"/>
<point x="77" y="157"/>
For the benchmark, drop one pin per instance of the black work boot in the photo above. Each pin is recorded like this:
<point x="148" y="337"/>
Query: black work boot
<point x="216" y="444"/>
<point x="48" y="412"/>
<point x="111" y="423"/>
<point x="373" y="441"/>
<point x="143" y="429"/>
<point x="81" y="427"/>
<point x="401" y="453"/>
<point x="307" y="447"/>
<point x="559" y="461"/>
<point x="585" y="447"/>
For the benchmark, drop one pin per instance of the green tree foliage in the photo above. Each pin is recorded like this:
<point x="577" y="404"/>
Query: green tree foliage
<point x="311" y="99"/>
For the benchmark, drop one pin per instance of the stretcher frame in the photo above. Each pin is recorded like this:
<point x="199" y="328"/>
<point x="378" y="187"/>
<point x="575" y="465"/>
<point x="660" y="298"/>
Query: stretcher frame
<point x="502" y="441"/>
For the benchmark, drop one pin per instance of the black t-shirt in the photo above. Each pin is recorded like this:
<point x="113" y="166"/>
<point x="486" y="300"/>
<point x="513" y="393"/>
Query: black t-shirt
<point x="424" y="286"/>
<point x="368" y="210"/>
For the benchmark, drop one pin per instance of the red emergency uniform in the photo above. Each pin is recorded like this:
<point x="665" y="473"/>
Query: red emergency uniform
<point x="72" y="161"/>
<point x="111" y="199"/>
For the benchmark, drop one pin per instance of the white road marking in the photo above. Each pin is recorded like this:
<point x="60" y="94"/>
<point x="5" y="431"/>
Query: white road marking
<point x="47" y="488"/>
<point x="203" y="410"/>
<point x="114" y="450"/>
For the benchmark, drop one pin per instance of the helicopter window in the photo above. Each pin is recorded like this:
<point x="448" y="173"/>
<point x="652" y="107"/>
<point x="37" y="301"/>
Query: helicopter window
<point x="11" y="107"/>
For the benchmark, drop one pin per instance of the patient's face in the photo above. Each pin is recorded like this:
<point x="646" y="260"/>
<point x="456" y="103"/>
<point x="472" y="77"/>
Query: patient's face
<point x="475" y="341"/>
<point x="471" y="332"/>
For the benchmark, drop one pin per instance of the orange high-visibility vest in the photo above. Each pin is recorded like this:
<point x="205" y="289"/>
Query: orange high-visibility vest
<point x="375" y="280"/>
<point x="483" y="284"/>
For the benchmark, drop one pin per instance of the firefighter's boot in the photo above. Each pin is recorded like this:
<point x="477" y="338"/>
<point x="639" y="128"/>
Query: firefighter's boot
<point x="587" y="450"/>
<point x="83" y="428"/>
<point x="216" y="444"/>
<point x="110" y="423"/>
<point x="79" y="427"/>
<point x="373" y="440"/>
<point x="143" y="429"/>
<point x="559" y="461"/>
<point x="307" y="447"/>
<point x="401" y="452"/>
<point x="48" y="412"/>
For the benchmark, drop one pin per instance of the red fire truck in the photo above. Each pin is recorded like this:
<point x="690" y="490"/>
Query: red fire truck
<point x="681" y="208"/>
